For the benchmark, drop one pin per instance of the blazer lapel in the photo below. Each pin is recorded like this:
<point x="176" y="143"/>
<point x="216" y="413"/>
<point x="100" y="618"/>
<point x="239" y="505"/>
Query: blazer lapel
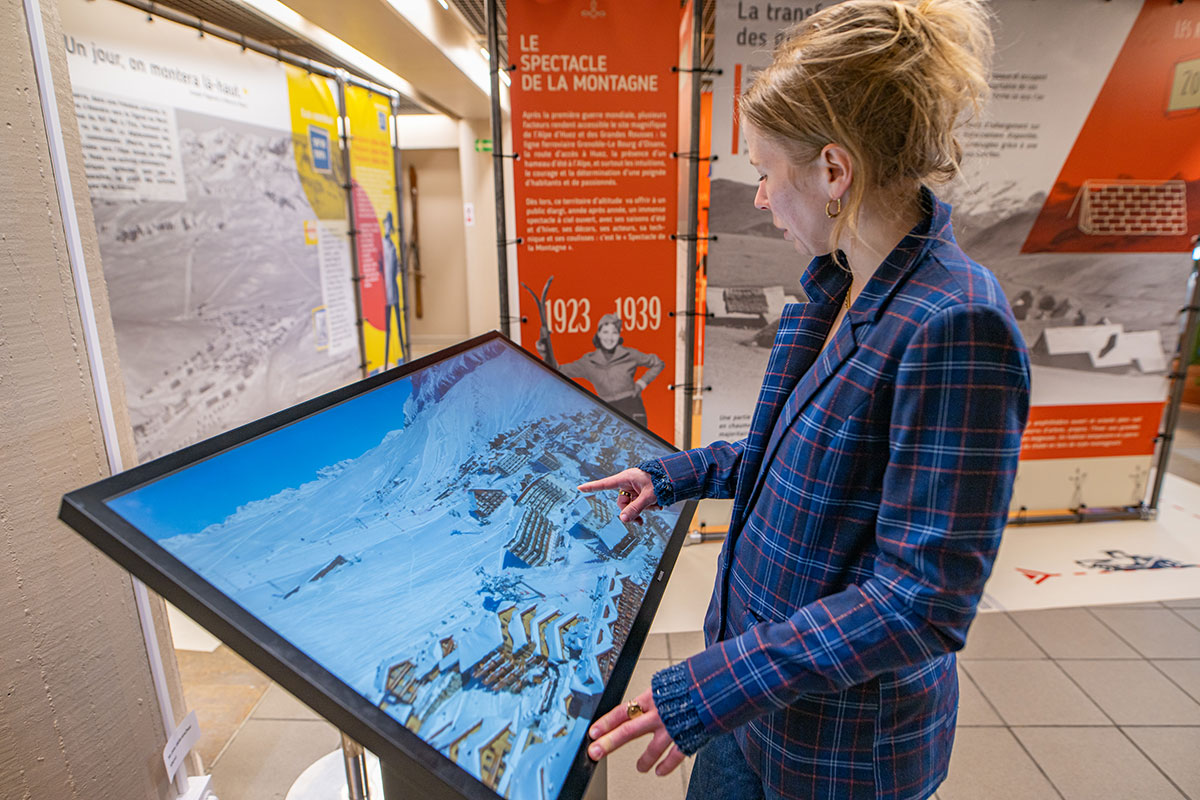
<point x="825" y="281"/>
<point x="802" y="330"/>
<point x="843" y="344"/>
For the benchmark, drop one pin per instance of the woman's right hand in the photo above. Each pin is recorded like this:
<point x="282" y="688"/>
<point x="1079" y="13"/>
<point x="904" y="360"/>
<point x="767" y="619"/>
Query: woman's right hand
<point x="635" y="492"/>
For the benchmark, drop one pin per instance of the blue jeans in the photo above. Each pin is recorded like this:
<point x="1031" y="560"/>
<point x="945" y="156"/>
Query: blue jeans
<point x="720" y="772"/>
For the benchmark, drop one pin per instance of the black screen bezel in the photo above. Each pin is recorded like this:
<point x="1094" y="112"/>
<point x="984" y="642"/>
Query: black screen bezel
<point x="408" y="757"/>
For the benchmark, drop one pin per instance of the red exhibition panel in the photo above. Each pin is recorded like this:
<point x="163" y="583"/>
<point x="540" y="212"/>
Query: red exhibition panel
<point x="1089" y="431"/>
<point x="594" y="118"/>
<point x="1132" y="180"/>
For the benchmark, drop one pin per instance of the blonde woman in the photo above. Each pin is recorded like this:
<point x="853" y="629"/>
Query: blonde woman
<point x="870" y="495"/>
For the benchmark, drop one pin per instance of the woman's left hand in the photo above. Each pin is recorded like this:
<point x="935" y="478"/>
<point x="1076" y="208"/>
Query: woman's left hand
<point x="617" y="728"/>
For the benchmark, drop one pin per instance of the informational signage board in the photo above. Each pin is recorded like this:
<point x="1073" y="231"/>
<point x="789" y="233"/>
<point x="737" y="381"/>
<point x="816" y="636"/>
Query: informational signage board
<point x="1080" y="190"/>
<point x="216" y="184"/>
<point x="595" y="119"/>
<point x="377" y="227"/>
<point x="411" y="557"/>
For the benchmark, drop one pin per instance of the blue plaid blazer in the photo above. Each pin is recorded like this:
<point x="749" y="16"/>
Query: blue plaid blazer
<point x="869" y="499"/>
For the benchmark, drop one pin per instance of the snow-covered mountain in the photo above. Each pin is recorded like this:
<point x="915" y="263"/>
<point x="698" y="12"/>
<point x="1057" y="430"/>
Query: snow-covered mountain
<point x="388" y="570"/>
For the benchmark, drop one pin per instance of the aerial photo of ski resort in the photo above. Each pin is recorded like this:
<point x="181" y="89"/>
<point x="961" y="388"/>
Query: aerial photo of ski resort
<point x="426" y="543"/>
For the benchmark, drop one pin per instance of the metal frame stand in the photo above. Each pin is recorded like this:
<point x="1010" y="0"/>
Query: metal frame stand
<point x="693" y="224"/>
<point x="356" y="768"/>
<point x="493" y="47"/>
<point x="1187" y="335"/>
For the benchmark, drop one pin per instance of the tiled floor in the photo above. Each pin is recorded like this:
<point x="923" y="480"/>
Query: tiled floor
<point x="1065" y="703"/>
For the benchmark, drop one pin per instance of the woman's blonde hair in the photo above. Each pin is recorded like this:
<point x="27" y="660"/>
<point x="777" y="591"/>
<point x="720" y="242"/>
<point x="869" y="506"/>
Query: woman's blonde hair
<point x="889" y="81"/>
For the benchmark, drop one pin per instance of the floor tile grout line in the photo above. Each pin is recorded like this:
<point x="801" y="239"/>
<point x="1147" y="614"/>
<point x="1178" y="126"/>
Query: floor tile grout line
<point x="238" y="731"/>
<point x="1112" y="722"/>
<point x="1080" y="725"/>
<point x="1171" y="680"/>
<point x="1146" y="756"/>
<point x="1028" y="636"/>
<point x="1079" y="686"/>
<point x="1186" y="621"/>
<point x="1090" y="610"/>
<point x="982" y="694"/>
<point x="1034" y="761"/>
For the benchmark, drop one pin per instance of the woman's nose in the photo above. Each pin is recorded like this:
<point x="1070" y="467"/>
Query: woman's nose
<point x="760" y="199"/>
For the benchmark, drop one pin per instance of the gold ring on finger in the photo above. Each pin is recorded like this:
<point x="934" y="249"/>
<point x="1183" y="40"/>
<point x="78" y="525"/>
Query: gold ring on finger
<point x="634" y="709"/>
<point x="624" y="493"/>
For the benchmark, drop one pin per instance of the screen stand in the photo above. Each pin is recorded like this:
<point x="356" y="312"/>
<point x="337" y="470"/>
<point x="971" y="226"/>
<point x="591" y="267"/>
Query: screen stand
<point x="355" y="762"/>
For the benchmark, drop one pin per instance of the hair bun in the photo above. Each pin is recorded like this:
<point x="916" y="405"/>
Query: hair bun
<point x="889" y="80"/>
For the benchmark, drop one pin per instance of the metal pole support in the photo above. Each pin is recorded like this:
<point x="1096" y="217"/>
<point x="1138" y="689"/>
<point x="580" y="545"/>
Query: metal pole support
<point x="356" y="768"/>
<point x="1187" y="335"/>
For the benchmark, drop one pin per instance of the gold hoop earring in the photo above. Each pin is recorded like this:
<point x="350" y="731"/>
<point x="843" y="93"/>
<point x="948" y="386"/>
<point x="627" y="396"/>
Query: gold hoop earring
<point x="836" y="211"/>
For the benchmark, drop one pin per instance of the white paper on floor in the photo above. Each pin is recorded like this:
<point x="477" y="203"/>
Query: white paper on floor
<point x="1039" y="566"/>
<point x="1097" y="563"/>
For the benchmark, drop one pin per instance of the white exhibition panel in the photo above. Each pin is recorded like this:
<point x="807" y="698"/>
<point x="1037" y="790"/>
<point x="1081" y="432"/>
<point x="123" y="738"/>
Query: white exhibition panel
<point x="1101" y="324"/>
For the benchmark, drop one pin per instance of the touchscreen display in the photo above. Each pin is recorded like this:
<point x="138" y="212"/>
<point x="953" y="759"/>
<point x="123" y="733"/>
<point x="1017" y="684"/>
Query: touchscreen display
<point x="424" y="541"/>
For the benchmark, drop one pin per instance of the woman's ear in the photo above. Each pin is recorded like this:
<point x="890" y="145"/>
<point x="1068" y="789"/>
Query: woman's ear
<point x="837" y="169"/>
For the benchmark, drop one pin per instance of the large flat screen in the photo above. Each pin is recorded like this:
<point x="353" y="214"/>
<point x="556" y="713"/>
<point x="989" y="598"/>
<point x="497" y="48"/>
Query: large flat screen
<point x="411" y="557"/>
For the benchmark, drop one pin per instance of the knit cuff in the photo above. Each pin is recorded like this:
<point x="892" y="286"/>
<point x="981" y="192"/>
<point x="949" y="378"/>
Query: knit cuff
<point x="672" y="697"/>
<point x="663" y="490"/>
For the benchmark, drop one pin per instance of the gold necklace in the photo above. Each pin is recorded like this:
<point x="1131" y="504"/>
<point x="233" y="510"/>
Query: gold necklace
<point x="849" y="289"/>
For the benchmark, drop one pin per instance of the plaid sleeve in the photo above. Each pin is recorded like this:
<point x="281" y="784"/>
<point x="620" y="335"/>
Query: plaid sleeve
<point x="960" y="405"/>
<point x="703" y="472"/>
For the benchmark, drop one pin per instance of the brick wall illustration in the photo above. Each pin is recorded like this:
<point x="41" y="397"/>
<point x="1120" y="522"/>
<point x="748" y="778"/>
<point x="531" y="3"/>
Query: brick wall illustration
<point x="1133" y="208"/>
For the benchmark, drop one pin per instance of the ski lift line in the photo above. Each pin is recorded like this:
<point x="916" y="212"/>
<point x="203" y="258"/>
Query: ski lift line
<point x="513" y="156"/>
<point x="695" y="156"/>
<point x="688" y="237"/>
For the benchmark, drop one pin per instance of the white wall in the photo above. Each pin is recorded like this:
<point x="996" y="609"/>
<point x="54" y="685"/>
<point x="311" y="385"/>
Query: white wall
<point x="442" y="248"/>
<point x="78" y="715"/>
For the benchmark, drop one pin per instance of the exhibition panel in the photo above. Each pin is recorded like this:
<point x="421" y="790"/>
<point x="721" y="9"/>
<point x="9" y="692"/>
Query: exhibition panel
<point x="377" y="226"/>
<point x="595" y="120"/>
<point x="217" y="196"/>
<point x="234" y="210"/>
<point x="1078" y="186"/>
<point x="411" y="557"/>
